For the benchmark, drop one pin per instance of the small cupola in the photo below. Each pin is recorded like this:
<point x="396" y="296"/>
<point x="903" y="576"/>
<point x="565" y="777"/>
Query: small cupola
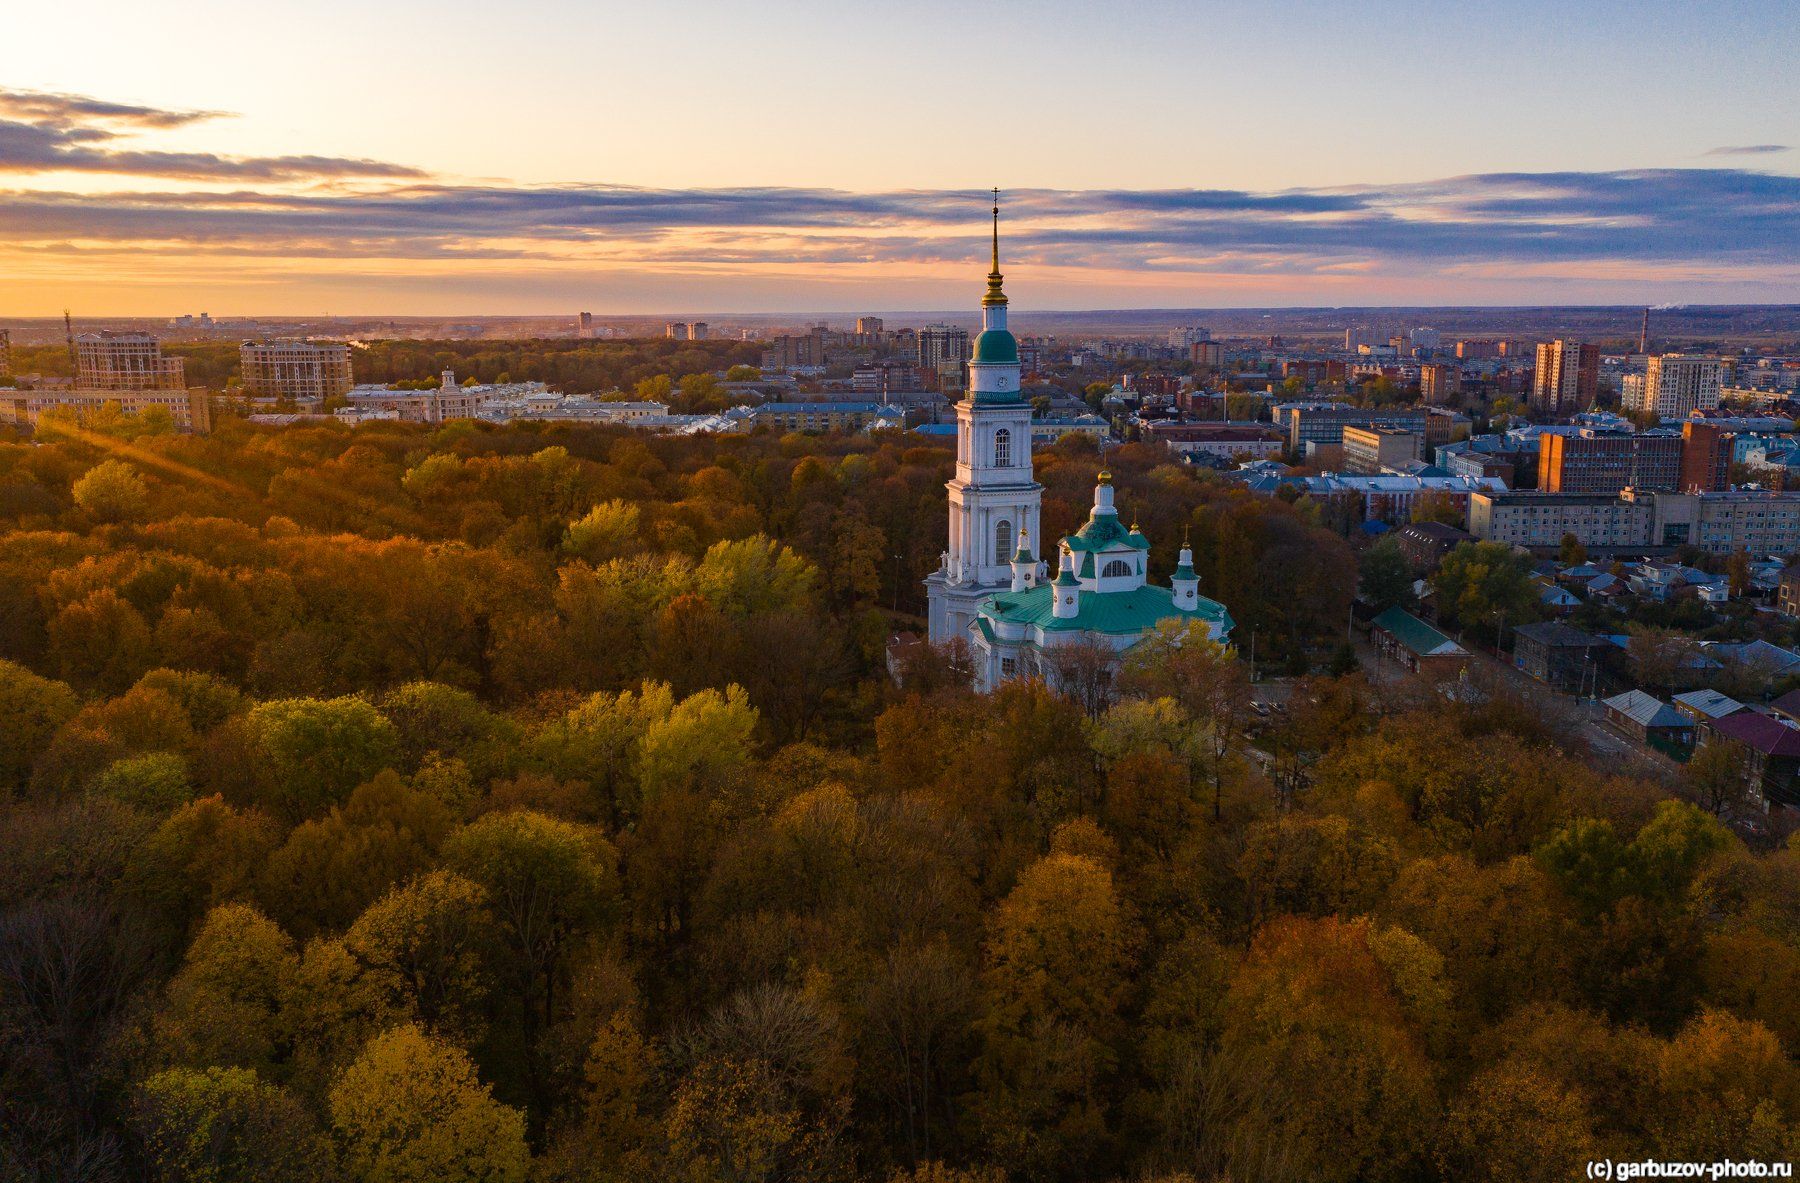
<point x="1066" y="587"/>
<point x="1024" y="567"/>
<point x="1185" y="582"/>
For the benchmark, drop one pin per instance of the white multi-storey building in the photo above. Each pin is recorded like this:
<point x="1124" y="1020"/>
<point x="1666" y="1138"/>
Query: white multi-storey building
<point x="1675" y="384"/>
<point x="1533" y="519"/>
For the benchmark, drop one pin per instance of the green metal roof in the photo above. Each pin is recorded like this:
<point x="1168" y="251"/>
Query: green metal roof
<point x="1103" y="532"/>
<point x="1112" y="613"/>
<point x="996" y="347"/>
<point x="1415" y="634"/>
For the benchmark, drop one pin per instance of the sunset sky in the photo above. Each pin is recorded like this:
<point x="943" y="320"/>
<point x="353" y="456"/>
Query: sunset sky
<point x="549" y="155"/>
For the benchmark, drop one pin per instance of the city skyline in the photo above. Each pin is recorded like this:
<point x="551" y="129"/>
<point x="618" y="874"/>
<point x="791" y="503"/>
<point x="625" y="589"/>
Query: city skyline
<point x="1292" y="154"/>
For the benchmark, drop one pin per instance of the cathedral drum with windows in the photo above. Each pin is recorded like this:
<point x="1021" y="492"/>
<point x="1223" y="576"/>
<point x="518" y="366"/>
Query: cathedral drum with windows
<point x="990" y="590"/>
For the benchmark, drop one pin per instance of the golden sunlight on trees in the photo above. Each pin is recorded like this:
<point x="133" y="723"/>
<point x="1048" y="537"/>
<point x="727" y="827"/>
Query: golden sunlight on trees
<point x="536" y="804"/>
<point x="113" y="492"/>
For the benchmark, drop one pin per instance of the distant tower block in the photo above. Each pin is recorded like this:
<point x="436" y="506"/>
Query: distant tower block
<point x="1644" y="334"/>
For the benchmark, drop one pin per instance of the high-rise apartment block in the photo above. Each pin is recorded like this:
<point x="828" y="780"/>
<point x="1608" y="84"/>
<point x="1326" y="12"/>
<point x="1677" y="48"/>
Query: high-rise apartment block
<point x="868" y="326"/>
<point x="940" y="344"/>
<point x="794" y="352"/>
<point x="1440" y="383"/>
<point x="676" y="330"/>
<point x="5" y="353"/>
<point x="1567" y="379"/>
<point x="295" y="369"/>
<point x="1676" y="384"/>
<point x="125" y="361"/>
<point x="1207" y="354"/>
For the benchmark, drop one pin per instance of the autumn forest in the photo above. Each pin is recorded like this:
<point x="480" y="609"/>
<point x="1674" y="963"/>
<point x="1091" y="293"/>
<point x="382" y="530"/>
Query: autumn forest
<point x="541" y="805"/>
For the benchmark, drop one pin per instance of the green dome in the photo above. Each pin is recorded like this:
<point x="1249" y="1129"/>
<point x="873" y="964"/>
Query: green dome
<point x="996" y="347"/>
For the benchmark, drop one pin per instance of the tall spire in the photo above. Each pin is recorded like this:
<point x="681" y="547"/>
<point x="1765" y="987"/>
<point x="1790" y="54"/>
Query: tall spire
<point x="994" y="294"/>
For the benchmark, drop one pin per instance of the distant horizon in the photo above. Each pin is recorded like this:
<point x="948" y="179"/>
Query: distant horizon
<point x="971" y="311"/>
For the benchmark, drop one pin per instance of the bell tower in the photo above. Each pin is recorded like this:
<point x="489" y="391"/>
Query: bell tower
<point x="994" y="498"/>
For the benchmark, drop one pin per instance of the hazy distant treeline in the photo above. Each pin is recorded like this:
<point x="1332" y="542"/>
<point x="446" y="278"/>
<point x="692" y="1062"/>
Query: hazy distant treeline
<point x="573" y="366"/>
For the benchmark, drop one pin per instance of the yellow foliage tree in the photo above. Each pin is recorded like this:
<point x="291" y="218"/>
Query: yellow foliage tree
<point x="411" y="1110"/>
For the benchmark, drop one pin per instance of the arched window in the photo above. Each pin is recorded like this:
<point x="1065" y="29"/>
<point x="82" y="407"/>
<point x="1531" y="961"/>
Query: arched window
<point x="1115" y="568"/>
<point x="1003" y="448"/>
<point x="1003" y="542"/>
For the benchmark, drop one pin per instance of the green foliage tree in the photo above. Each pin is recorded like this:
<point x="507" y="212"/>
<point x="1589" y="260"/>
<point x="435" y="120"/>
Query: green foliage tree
<point x="35" y="709"/>
<point x="226" y="1125"/>
<point x="607" y="531"/>
<point x="224" y="1005"/>
<point x="424" y="943"/>
<point x="156" y="782"/>
<point x="318" y="750"/>
<point x="548" y="886"/>
<point x="1486" y="585"/>
<point x="1385" y="578"/>
<point x="113" y="492"/>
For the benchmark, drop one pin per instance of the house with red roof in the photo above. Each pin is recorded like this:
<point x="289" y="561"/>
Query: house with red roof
<point x="1771" y="755"/>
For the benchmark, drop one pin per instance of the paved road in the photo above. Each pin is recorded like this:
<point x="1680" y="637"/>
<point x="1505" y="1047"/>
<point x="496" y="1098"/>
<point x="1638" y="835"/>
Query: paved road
<point x="1587" y="716"/>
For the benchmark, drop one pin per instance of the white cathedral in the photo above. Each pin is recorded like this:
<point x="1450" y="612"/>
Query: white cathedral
<point x="991" y="591"/>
